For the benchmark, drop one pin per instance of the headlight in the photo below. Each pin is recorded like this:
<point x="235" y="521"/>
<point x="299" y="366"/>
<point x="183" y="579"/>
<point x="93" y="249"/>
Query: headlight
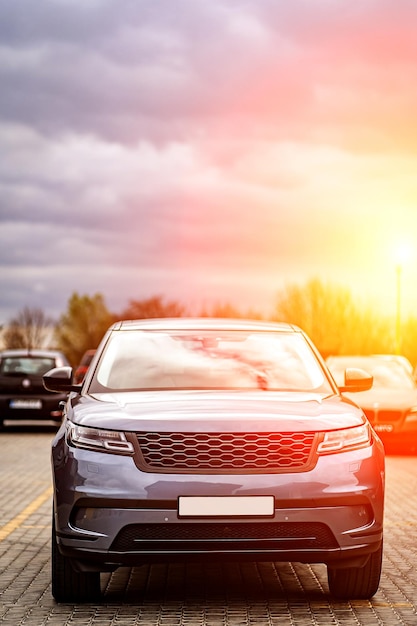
<point x="411" y="415"/>
<point x="98" y="439"/>
<point x="346" y="439"/>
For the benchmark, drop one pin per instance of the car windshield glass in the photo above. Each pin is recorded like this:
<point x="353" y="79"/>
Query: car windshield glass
<point x="139" y="360"/>
<point x="387" y="374"/>
<point x="25" y="365"/>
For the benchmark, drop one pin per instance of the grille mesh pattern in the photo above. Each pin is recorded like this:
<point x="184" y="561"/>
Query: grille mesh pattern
<point x="256" y="452"/>
<point x="287" y="535"/>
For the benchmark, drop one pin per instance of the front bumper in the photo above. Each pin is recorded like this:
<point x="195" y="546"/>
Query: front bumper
<point x="108" y="513"/>
<point x="303" y="537"/>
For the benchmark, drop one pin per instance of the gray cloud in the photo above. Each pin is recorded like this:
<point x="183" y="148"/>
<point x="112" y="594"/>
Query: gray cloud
<point x="203" y="150"/>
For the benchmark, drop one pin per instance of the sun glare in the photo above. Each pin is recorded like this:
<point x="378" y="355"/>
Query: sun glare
<point x="402" y="253"/>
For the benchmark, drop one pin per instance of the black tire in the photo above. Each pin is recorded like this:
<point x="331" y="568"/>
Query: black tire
<point x="359" y="583"/>
<point x="68" y="585"/>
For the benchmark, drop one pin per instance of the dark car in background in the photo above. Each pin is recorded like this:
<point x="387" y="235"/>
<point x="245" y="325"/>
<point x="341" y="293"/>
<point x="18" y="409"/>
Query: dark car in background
<point x="391" y="403"/>
<point x="196" y="439"/>
<point x="22" y="393"/>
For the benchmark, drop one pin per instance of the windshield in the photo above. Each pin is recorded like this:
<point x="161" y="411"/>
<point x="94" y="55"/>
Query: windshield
<point x="140" y="360"/>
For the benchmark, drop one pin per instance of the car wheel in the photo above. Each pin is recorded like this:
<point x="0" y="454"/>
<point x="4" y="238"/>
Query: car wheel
<point x="359" y="583"/>
<point x="68" y="585"/>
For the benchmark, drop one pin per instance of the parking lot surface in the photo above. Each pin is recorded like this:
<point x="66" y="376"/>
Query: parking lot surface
<point x="219" y="594"/>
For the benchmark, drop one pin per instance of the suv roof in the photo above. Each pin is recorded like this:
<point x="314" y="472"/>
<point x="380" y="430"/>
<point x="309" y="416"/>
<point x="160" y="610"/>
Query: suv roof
<point x="202" y="323"/>
<point x="32" y="352"/>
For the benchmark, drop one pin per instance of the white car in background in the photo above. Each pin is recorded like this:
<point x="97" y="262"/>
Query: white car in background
<point x="391" y="403"/>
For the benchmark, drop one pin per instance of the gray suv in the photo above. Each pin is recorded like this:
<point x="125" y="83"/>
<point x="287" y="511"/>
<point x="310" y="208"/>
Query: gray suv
<point x="193" y="439"/>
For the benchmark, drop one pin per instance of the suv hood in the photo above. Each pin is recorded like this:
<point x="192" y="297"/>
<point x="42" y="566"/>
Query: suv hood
<point x="202" y="411"/>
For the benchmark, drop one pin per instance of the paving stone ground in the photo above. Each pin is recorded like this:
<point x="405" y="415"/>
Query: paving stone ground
<point x="220" y="594"/>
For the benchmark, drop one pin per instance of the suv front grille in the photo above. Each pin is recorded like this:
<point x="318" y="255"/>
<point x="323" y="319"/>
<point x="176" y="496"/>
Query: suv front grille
<point x="217" y="536"/>
<point x="226" y="452"/>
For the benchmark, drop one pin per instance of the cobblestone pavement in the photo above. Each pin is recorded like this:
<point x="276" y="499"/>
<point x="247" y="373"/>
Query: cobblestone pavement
<point x="261" y="594"/>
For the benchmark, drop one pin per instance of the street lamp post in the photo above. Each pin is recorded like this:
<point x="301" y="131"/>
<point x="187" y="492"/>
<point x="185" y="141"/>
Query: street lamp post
<point x="403" y="256"/>
<point x="398" y="340"/>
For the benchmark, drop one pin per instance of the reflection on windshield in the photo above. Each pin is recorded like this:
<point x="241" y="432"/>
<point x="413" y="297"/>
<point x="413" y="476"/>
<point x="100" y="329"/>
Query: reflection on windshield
<point x="208" y="360"/>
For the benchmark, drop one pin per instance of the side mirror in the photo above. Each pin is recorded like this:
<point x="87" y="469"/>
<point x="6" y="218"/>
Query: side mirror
<point x="60" y="379"/>
<point x="357" y="380"/>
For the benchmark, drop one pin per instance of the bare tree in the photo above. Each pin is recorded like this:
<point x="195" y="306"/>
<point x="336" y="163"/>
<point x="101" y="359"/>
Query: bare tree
<point x="409" y="342"/>
<point x="31" y="328"/>
<point x="227" y="310"/>
<point x="335" y="322"/>
<point x="153" y="307"/>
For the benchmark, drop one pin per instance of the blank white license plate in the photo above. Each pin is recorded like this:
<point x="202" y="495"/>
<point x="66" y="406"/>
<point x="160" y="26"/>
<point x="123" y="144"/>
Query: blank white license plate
<point x="225" y="506"/>
<point x="25" y="404"/>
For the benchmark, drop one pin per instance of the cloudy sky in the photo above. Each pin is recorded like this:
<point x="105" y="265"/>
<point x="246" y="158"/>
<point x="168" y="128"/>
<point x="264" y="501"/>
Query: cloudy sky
<point x="206" y="151"/>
